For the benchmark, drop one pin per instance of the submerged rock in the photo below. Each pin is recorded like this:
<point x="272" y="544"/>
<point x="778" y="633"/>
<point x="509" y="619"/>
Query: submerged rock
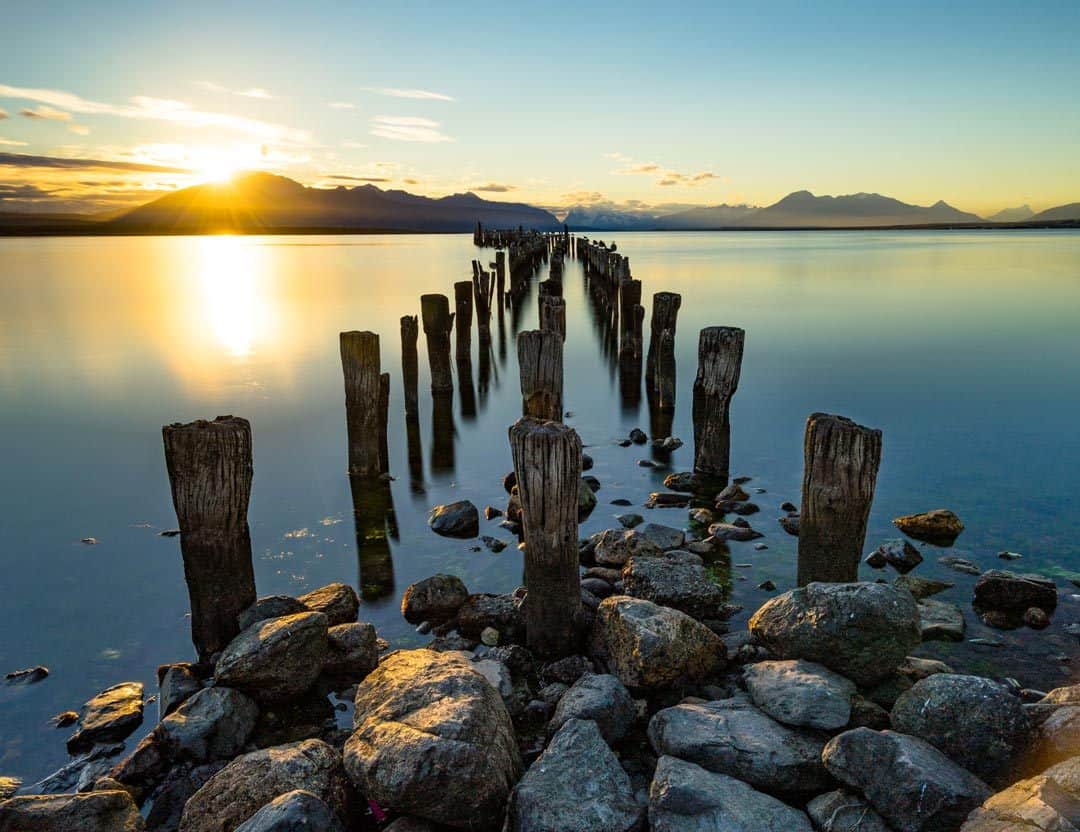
<point x="940" y="526"/>
<point x="338" y="602"/>
<point x="26" y="676"/>
<point x="110" y="716"/>
<point x="790" y="524"/>
<point x="940" y="621"/>
<point x="104" y="811"/>
<point x="998" y="589"/>
<point x="460" y="519"/>
<point x="437" y="598"/>
<point x="800" y="693"/>
<point x="276" y="659"/>
<point x="921" y="587"/>
<point x="899" y="554"/>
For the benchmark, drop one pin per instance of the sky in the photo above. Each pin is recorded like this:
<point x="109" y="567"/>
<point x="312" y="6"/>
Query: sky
<point x="629" y="105"/>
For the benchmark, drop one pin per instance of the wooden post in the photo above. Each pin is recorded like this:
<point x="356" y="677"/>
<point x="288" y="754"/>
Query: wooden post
<point x="553" y="314"/>
<point x="841" y="462"/>
<point x="463" y="306"/>
<point x="720" y="350"/>
<point x="438" y="320"/>
<point x="665" y="311"/>
<point x="363" y="414"/>
<point x="484" y="291"/>
<point x="629" y="298"/>
<point x="210" y="468"/>
<point x="540" y="359"/>
<point x="547" y="463"/>
<point x="410" y="369"/>
<point x="500" y="273"/>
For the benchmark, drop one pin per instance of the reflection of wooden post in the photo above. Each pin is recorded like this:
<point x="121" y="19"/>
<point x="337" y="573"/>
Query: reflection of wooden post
<point x="435" y="314"/>
<point x="410" y="370"/>
<point x="442" y="432"/>
<point x="373" y="510"/>
<point x="415" y="453"/>
<point x="840" y="471"/>
<point x="720" y="350"/>
<point x="210" y="468"/>
<point x="384" y="418"/>
<point x="547" y="463"/>
<point x="665" y="311"/>
<point x="463" y="305"/>
<point x="365" y="427"/>
<point x="540" y="360"/>
<point x="553" y="314"/>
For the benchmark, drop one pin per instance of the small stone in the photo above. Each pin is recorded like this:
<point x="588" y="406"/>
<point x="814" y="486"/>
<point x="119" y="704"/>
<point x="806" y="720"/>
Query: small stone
<point x="437" y="598"/>
<point x="490" y="512"/>
<point x="665" y="537"/>
<point x="900" y="554"/>
<point x="621" y="501"/>
<point x="790" y="524"/>
<point x="89" y="541"/>
<point x="615" y="547"/>
<point x="592" y="482"/>
<point x="940" y="526"/>
<point x="760" y="547"/>
<point x="169" y="533"/>
<point x="667" y="499"/>
<point x="489" y="636"/>
<point x="110" y="716"/>
<point x="789" y="507"/>
<point x="1009" y="555"/>
<point x="586" y="462"/>
<point x="65" y="718"/>
<point x="337" y="601"/>
<point x="493" y="544"/>
<point x="597" y="586"/>
<point x="629" y="521"/>
<point x="960" y="565"/>
<point x="459" y="519"/>
<point x="940" y="621"/>
<point x="733" y="531"/>
<point x="646" y="463"/>
<point x="1036" y="618"/>
<point x="27" y="676"/>
<point x="624" y="443"/>
<point x="733" y="492"/>
<point x="682" y="481"/>
<point x="767" y="585"/>
<point x="638" y="437"/>
<point x="921" y="587"/>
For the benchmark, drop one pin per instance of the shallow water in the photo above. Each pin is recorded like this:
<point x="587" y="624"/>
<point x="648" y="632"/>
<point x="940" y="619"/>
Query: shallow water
<point x="962" y="347"/>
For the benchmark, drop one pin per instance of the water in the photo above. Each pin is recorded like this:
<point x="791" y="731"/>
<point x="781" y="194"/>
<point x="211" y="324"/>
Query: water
<point x="961" y="346"/>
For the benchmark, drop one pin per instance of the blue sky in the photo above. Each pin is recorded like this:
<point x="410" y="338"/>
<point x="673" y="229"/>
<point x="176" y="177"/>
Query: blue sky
<point x="639" y="104"/>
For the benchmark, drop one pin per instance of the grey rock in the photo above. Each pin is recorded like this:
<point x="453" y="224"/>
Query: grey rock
<point x="638" y="437"/>
<point x="915" y="668"/>
<point x="998" y="589"/>
<point x="940" y="621"/>
<point x="586" y="500"/>
<point x="735" y="492"/>
<point x="790" y="524"/>
<point x="214" y="724"/>
<point x="899" y="554"/>
<point x="566" y="670"/>
<point x="293" y="811"/>
<point x="629" y="521"/>
<point x="597" y="586"/>
<point x="842" y="811"/>
<point x="860" y="630"/>
<point x="498" y="612"/>
<point x="684" y="481"/>
<point x="615" y="547"/>
<point x="601" y="698"/>
<point x="685" y="797"/>
<point x="110" y="716"/>
<point x="665" y="537"/>
<point x="493" y="544"/>
<point x="1058" y="737"/>
<point x="437" y="598"/>
<point x="104" y="811"/>
<point x="270" y="606"/>
<point x="733" y="531"/>
<point x="352" y="651"/>
<point x="176" y="682"/>
<point x="80" y="773"/>
<point x="960" y="564"/>
<point x="1049" y="802"/>
<point x="577" y="785"/>
<point x="677" y="580"/>
<point x="921" y="587"/>
<point x="181" y="782"/>
<point x="460" y="519"/>
<point x="800" y="693"/>
<point x="922" y="790"/>
<point x="732" y="737"/>
<point x="338" y="602"/>
<point x="276" y="659"/>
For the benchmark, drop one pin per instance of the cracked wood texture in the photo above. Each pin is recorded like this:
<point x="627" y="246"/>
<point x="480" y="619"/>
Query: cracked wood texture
<point x="410" y="367"/>
<point x="553" y="314"/>
<point x="720" y="351"/>
<point x="364" y="422"/>
<point x="540" y="358"/>
<point x="665" y="312"/>
<point x="839" y="475"/>
<point x="438" y="321"/>
<point x="547" y="464"/>
<point x="631" y="315"/>
<point x="463" y="307"/>
<point x="483" y="292"/>
<point x="210" y="469"/>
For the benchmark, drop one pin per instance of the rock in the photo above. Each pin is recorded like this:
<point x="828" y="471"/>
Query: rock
<point x="489" y="636"/>
<point x="940" y="526"/>
<point x="915" y="668"/>
<point x="789" y="507"/>
<point x="432" y="738"/>
<point x="26" y="676"/>
<point x="460" y="519"/>
<point x="921" y="587"/>
<point x="353" y="652"/>
<point x="1058" y="737"/>
<point x="491" y="512"/>
<point x="66" y="718"/>
<point x="638" y="437"/>
<point x="145" y="767"/>
<point x="685" y="797"/>
<point x="600" y="698"/>
<point x="649" y="646"/>
<point x="293" y="811"/>
<point x="510" y="482"/>
<point x="338" y="602"/>
<point x="733" y="531"/>
<point x="80" y="773"/>
<point x="577" y="785"/>
<point x="586" y="462"/>
<point x="437" y="598"/>
<point x="737" y="507"/>
<point x="646" y="463"/>
<point x="998" y="589"/>
<point x="702" y="516"/>
<point x="978" y="723"/>
<point x="866" y="713"/>
<point x="8" y="787"/>
<point x="665" y="499"/>
<point x="615" y="547"/>
<point x="860" y="630"/>
<point x="732" y="737"/>
<point x="179" y="785"/>
<point x="767" y="585"/>
<point x="110" y="716"/>
<point x="800" y="693"/>
<point x="499" y="612"/>
<point x="276" y="659"/>
<point x="665" y="537"/>
<point x="253" y="780"/>
<point x="732" y="492"/>
<point x="592" y="482"/>
<point x="842" y="811"/>
<point x="270" y="606"/>
<point x="1036" y="618"/>
<point x="790" y="524"/>
<point x="1049" y="802"/>
<point x="1009" y="555"/>
<point x="493" y="544"/>
<point x="675" y="579"/>
<point x="899" y="554"/>
<point x="940" y="621"/>
<point x="105" y="811"/>
<point x="597" y="586"/>
<point x="628" y="521"/>
<point x="586" y="500"/>
<point x="876" y="560"/>
<point x="566" y="670"/>
<point x="214" y="724"/>
<point x="684" y="481"/>
<point x="911" y="784"/>
<point x="176" y="683"/>
<point x="411" y="824"/>
<point x="960" y="565"/>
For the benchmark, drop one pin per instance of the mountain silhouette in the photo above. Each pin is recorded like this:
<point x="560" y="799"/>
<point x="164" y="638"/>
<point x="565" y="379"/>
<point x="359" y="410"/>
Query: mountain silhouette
<point x="1021" y="213"/>
<point x="804" y="209"/>
<point x="1062" y="212"/>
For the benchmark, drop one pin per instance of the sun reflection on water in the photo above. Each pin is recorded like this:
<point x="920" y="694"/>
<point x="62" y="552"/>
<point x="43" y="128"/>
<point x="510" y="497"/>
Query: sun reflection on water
<point x="235" y="310"/>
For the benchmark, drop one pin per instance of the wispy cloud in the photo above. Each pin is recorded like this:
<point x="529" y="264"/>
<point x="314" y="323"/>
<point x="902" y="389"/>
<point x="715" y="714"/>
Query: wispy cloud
<point x="3" y="113"/>
<point x="493" y="187"/>
<point x="341" y="105"/>
<point x="408" y="129"/>
<point x="397" y="92"/>
<point x="628" y="166"/>
<point x="11" y="143"/>
<point x="250" y="92"/>
<point x="45" y="113"/>
<point x="24" y="160"/>
<point x="79" y="129"/>
<point x="360" y="178"/>
<point x="353" y="145"/>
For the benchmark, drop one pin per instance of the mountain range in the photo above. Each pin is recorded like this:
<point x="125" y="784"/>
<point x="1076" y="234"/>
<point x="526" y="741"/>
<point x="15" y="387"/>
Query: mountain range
<point x="266" y="203"/>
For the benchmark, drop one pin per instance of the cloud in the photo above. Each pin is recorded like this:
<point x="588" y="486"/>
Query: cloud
<point x="250" y="92"/>
<point x="493" y="188"/>
<point x="341" y="105"/>
<point x="45" y="113"/>
<point x="13" y="191"/>
<point x="159" y="109"/>
<point x="411" y="181"/>
<point x="11" y="143"/>
<point x="704" y="175"/>
<point x="361" y="178"/>
<point x="408" y="129"/>
<point x="396" y="92"/>
<point x="3" y="114"/>
<point x="628" y="166"/>
<point x="79" y="129"/>
<point x="354" y="145"/>
<point x="24" y="160"/>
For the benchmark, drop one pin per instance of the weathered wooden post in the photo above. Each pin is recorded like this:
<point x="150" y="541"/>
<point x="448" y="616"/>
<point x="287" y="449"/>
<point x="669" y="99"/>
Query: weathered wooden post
<point x="484" y="290"/>
<point x="364" y="415"/>
<point x="540" y="359"/>
<point x="500" y="274"/>
<point x="463" y="306"/>
<point x="437" y="320"/>
<point x="629" y="317"/>
<point x="210" y="469"/>
<point x="720" y="350"/>
<point x="841" y="461"/>
<point x="553" y="314"/>
<point x="410" y="368"/>
<point x="547" y="463"/>
<point x="665" y="311"/>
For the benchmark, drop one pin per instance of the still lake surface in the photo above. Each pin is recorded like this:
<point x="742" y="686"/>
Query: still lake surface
<point x="963" y="347"/>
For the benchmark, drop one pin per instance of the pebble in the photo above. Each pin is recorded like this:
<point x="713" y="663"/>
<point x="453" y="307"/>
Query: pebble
<point x="493" y="543"/>
<point x="646" y="463"/>
<point x="1036" y="618"/>
<point x="1009" y="555"/>
<point x="27" y="676"/>
<point x="168" y="533"/>
<point x="768" y="586"/>
<point x="65" y="718"/>
<point x="628" y="521"/>
<point x="761" y="547"/>
<point x="489" y="636"/>
<point x="638" y="437"/>
<point x="624" y="443"/>
<point x="789" y="507"/>
<point x="621" y="501"/>
<point x="89" y="541"/>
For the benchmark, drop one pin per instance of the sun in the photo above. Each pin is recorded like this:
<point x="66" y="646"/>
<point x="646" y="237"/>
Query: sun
<point x="219" y="171"/>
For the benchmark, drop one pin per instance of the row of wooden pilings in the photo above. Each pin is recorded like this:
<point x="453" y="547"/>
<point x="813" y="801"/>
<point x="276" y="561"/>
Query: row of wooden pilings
<point x="210" y="463"/>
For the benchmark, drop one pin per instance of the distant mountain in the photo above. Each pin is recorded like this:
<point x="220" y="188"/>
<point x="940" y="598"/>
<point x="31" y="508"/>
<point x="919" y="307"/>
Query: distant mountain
<point x="256" y="202"/>
<point x="1021" y="213"/>
<point x="715" y="216"/>
<point x="803" y="209"/>
<point x="1062" y="212"/>
<point x="588" y="218"/>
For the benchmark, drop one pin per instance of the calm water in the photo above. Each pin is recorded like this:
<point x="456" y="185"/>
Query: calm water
<point x="963" y="347"/>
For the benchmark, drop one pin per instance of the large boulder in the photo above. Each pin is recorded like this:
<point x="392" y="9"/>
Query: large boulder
<point x="175" y="791"/>
<point x="352" y="651"/>
<point x="214" y="724"/>
<point x="614" y="547"/>
<point x="433" y="739"/>
<point x="434" y="599"/>
<point x="940" y="526"/>
<point x="999" y="589"/>
<point x="338" y="602"/>
<point x="270" y="606"/>
<point x="685" y="797"/>
<point x="577" y="785"/>
<point x="732" y="737"/>
<point x="977" y="722"/>
<point x="908" y="782"/>
<point x="1049" y="802"/>
<point x="253" y="780"/>
<point x="649" y="646"/>
<point x="676" y="580"/>
<point x="860" y="630"/>
<point x="104" y="811"/>
<point x="276" y="659"/>
<point x="1058" y="737"/>
<point x="293" y="811"/>
<point x="460" y="519"/>
<point x="800" y="693"/>
<point x="841" y="811"/>
<point x="601" y="698"/>
<point x="110" y="716"/>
